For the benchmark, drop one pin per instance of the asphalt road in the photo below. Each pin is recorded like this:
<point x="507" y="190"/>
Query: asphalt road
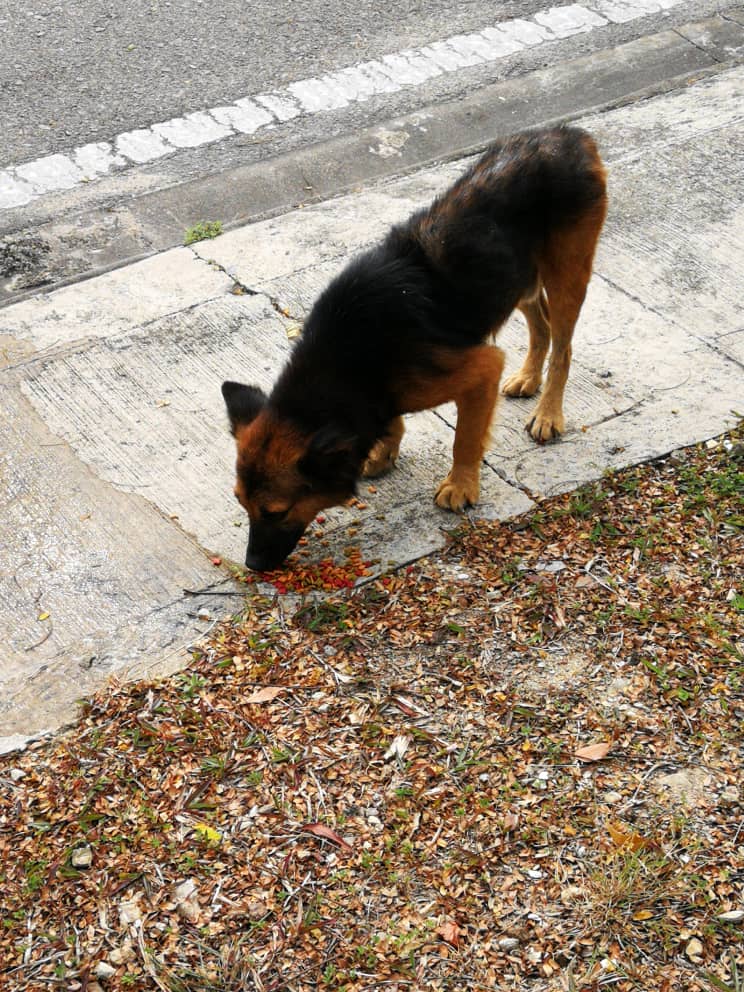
<point x="80" y="72"/>
<point x="84" y="71"/>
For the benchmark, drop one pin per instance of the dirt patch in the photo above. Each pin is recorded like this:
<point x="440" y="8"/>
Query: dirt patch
<point x="688" y="788"/>
<point x="26" y="257"/>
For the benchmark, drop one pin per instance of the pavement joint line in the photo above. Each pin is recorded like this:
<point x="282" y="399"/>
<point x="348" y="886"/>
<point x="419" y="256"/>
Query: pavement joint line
<point x="20" y="184"/>
<point x="701" y="48"/>
<point x="717" y="350"/>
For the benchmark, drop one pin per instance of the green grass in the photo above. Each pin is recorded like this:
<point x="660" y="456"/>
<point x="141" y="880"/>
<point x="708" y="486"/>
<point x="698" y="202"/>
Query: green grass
<point x="203" y="231"/>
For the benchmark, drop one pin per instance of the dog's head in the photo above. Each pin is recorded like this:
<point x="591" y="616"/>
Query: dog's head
<point x="284" y="475"/>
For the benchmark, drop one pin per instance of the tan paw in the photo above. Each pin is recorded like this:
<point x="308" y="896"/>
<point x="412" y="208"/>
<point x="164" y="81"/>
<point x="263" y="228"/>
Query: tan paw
<point x="545" y="426"/>
<point x="521" y="384"/>
<point x="381" y="459"/>
<point x="458" y="491"/>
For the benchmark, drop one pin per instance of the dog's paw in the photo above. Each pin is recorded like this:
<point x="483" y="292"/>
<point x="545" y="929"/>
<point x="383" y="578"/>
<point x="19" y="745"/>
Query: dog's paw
<point x="545" y="426"/>
<point x="521" y="384"/>
<point x="457" y="492"/>
<point x="381" y="459"/>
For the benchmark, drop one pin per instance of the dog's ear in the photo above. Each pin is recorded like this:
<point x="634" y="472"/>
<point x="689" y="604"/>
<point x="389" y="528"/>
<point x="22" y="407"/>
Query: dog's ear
<point x="332" y="458"/>
<point x="243" y="403"/>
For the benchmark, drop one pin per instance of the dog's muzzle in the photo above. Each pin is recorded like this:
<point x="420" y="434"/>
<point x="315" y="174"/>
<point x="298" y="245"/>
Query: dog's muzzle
<point x="269" y="545"/>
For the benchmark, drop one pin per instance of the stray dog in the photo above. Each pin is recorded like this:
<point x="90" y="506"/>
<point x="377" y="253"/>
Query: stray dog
<point x="404" y="327"/>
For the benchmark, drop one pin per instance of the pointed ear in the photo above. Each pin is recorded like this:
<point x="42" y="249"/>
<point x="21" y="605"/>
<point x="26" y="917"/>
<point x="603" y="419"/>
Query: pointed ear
<point x="243" y="403"/>
<point x="332" y="458"/>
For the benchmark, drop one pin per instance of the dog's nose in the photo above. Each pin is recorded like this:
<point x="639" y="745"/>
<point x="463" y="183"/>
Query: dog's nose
<point x="261" y="563"/>
<point x="268" y="545"/>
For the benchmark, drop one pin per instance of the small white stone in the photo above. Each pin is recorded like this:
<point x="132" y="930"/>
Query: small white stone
<point x="508" y="943"/>
<point x="82" y="857"/>
<point x="184" y="890"/>
<point x="16" y="774"/>
<point x="123" y="954"/>
<point x="104" y="970"/>
<point x="129" y="912"/>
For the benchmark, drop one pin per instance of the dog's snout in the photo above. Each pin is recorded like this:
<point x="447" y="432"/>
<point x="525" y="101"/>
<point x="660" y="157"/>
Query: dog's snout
<point x="268" y="546"/>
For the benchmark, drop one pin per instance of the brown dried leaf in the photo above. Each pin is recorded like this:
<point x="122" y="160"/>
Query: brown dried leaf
<point x="450" y="932"/>
<point x="265" y="695"/>
<point x="628" y="839"/>
<point x="593" y="752"/>
<point x="321" y="830"/>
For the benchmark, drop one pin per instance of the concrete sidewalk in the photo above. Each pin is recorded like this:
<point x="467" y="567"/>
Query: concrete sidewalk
<point x="115" y="462"/>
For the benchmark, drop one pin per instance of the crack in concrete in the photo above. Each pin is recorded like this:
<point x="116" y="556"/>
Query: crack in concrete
<point x="713" y="346"/>
<point x="701" y="48"/>
<point x="245" y="290"/>
<point x="635" y="299"/>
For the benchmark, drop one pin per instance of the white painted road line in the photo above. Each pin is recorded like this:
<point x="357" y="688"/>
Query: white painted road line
<point x="354" y="84"/>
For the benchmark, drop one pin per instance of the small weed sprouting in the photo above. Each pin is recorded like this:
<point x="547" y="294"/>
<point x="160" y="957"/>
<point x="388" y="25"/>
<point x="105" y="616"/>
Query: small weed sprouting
<point x="323" y="616"/>
<point x="203" y="231"/>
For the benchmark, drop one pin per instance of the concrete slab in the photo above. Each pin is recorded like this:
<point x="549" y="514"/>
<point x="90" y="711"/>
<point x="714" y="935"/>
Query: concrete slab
<point x="115" y="301"/>
<point x="117" y="465"/>
<point x="88" y="576"/>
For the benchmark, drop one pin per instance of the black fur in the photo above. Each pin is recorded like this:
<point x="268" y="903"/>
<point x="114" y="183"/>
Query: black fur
<point x="447" y="277"/>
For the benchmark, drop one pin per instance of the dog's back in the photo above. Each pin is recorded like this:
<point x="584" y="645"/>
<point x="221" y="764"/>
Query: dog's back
<point x="483" y="238"/>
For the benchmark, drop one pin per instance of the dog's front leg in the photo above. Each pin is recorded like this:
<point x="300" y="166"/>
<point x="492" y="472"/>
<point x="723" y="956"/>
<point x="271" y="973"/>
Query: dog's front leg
<point x="476" y="400"/>
<point x="384" y="452"/>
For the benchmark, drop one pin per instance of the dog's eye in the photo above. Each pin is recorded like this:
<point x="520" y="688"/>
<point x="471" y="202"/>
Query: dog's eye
<point x="273" y="516"/>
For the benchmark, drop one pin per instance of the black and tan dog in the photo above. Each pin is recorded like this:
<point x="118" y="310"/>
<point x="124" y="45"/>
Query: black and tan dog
<point x="404" y="327"/>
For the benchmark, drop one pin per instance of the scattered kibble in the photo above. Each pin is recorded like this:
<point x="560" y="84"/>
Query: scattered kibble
<point x="324" y="576"/>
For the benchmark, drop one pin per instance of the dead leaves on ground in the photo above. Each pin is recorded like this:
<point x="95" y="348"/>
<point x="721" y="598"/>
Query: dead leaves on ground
<point x="457" y="777"/>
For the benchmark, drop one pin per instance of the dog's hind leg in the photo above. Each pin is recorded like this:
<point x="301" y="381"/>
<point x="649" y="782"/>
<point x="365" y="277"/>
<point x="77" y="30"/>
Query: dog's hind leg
<point x="528" y="380"/>
<point x="566" y="269"/>
<point x="475" y="389"/>
<point x="384" y="452"/>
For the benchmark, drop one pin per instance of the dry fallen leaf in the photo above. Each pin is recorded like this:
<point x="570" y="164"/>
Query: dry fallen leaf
<point x="593" y="752"/>
<point x="450" y="932"/>
<point x="628" y="839"/>
<point x="266" y="694"/>
<point x="321" y="830"/>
